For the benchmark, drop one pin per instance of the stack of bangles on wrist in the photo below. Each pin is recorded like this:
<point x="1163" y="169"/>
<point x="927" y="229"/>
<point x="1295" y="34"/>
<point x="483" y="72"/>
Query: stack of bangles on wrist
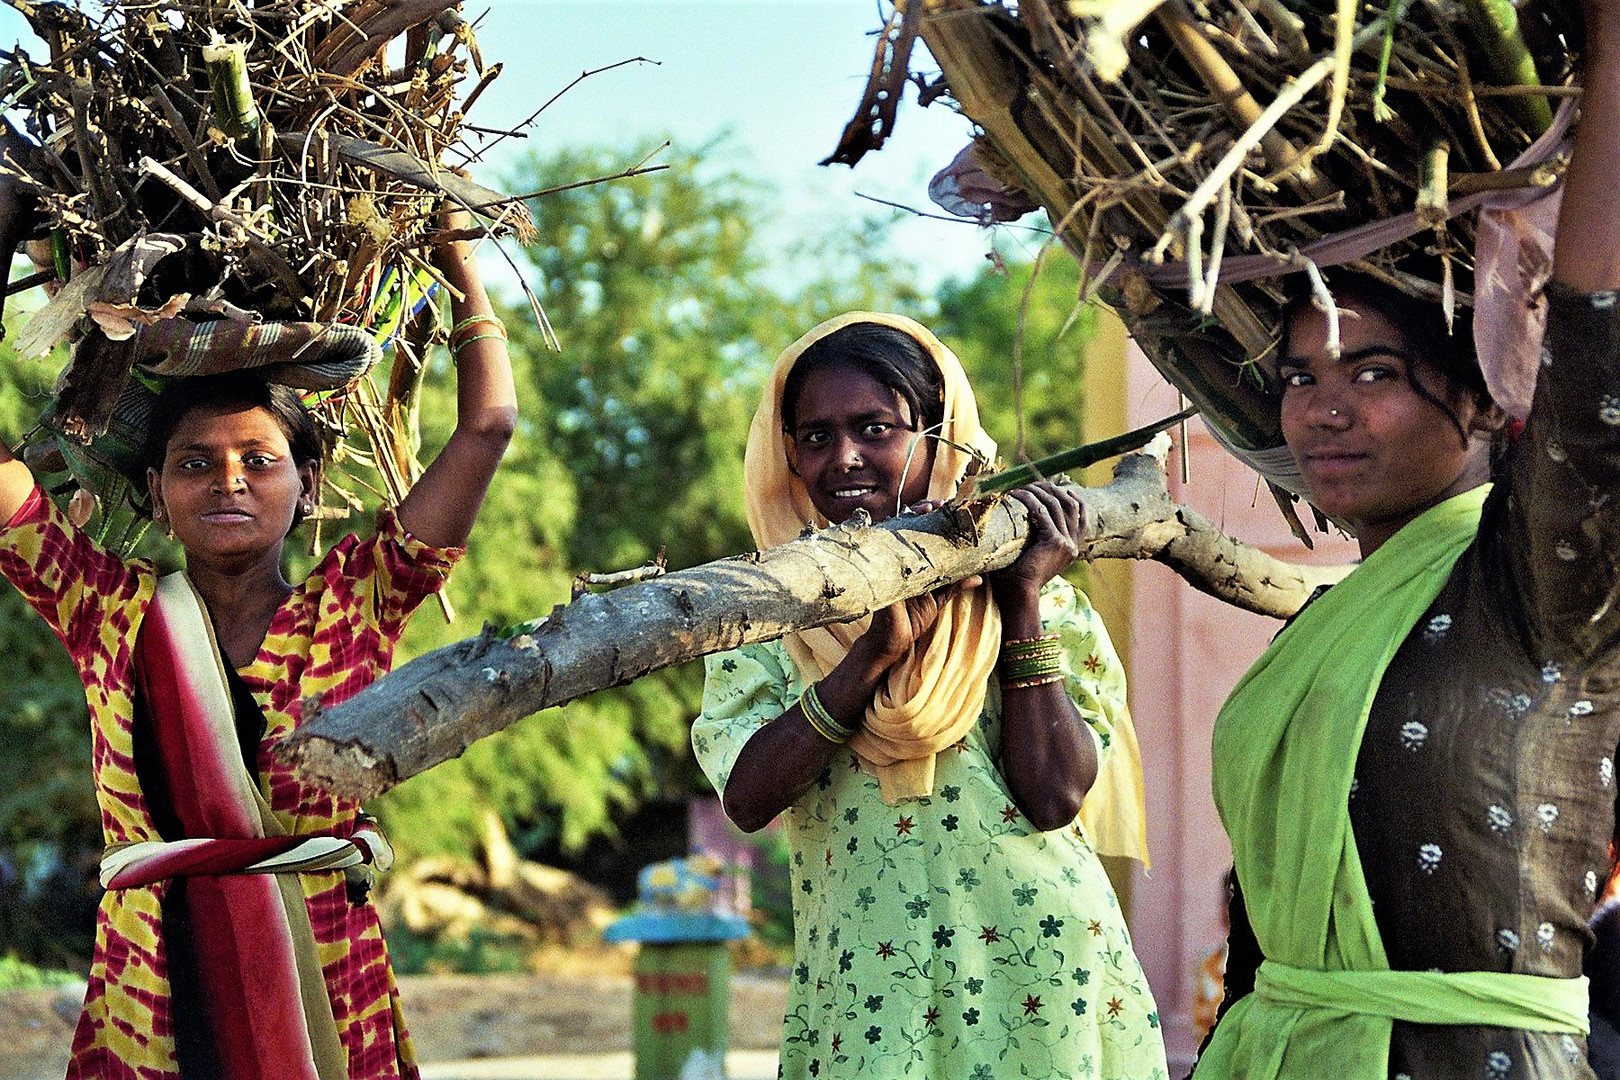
<point x="822" y="720"/>
<point x="460" y="338"/>
<point x="1032" y="661"/>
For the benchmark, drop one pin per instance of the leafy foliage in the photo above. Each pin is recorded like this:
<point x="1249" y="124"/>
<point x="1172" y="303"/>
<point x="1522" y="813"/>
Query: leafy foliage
<point x="979" y="317"/>
<point x="17" y="974"/>
<point x="47" y="808"/>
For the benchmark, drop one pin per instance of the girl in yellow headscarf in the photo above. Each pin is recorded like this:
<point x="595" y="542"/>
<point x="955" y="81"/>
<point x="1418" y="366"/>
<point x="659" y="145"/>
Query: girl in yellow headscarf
<point x="951" y="916"/>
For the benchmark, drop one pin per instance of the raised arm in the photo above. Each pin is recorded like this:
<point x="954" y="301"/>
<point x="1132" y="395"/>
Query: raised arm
<point x="16" y="482"/>
<point x="1588" y="258"/>
<point x="441" y="507"/>
<point x="1561" y="540"/>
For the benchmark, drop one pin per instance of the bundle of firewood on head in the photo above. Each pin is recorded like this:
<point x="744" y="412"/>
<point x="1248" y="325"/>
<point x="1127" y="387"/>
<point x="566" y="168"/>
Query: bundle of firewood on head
<point x="212" y="186"/>
<point x="1194" y="155"/>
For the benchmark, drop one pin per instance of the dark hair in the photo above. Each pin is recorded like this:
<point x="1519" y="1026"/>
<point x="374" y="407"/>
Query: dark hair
<point x="230" y="391"/>
<point x="891" y="356"/>
<point x="1448" y="351"/>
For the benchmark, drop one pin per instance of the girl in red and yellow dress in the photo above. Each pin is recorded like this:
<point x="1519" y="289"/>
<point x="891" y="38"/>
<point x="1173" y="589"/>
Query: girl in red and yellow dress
<point x="235" y="939"/>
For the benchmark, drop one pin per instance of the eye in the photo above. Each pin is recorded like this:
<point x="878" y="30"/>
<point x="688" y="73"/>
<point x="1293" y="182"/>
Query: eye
<point x="1297" y="378"/>
<point x="813" y="440"/>
<point x="1376" y="373"/>
<point x="191" y="464"/>
<point x="258" y="459"/>
<point x="876" y="430"/>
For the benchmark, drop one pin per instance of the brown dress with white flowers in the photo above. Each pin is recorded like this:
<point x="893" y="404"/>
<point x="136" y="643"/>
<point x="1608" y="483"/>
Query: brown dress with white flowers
<point x="1484" y="795"/>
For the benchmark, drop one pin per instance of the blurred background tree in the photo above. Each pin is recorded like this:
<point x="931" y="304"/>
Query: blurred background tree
<point x="670" y="304"/>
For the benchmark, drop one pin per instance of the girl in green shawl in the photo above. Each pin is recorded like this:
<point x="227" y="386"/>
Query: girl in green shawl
<point x="1418" y="775"/>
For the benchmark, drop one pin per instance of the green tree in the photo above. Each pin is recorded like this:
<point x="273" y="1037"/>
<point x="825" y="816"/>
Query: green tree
<point x="48" y="816"/>
<point x="987" y="316"/>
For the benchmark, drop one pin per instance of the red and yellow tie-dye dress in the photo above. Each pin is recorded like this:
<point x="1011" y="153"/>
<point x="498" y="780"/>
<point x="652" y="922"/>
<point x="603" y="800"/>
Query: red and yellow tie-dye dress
<point x="333" y="636"/>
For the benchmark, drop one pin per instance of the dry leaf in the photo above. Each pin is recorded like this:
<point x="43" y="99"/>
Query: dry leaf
<point x="51" y="323"/>
<point x="120" y="321"/>
<point x="81" y="507"/>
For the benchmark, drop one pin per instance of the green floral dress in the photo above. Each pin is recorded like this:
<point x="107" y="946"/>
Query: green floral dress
<point x="945" y="936"/>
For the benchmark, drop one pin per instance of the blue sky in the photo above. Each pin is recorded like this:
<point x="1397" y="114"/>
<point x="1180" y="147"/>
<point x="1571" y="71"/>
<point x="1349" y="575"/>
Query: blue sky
<point x="782" y="77"/>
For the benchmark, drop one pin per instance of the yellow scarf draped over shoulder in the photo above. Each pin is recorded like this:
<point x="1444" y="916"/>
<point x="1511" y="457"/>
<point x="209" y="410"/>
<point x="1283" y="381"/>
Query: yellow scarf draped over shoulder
<point x="1285" y="750"/>
<point x="931" y="698"/>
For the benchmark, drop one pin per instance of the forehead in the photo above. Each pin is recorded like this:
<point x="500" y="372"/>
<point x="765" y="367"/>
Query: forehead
<point x="842" y="390"/>
<point x="238" y="424"/>
<point x="1360" y="327"/>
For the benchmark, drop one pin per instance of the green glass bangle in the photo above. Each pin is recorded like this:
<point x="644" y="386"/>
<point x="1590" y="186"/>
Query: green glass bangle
<point x="1019" y="650"/>
<point x="822" y="720"/>
<point x="474" y="320"/>
<point x="455" y="350"/>
<point x="1034" y="657"/>
<point x="1020" y="669"/>
<point x="1039" y="639"/>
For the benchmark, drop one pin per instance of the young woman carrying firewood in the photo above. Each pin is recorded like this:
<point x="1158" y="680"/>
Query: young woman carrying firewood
<point x="935" y="761"/>
<point x="235" y="938"/>
<point x="1418" y="775"/>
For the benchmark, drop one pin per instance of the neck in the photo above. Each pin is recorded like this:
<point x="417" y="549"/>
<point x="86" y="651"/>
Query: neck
<point x="241" y="602"/>
<point x="1370" y="536"/>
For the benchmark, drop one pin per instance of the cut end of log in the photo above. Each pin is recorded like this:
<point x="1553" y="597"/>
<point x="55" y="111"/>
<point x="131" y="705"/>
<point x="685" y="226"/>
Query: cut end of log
<point x="345" y="768"/>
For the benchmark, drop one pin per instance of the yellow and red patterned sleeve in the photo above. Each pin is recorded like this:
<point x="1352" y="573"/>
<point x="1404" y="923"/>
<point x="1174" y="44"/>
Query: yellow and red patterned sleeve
<point x="63" y="574"/>
<point x="387" y="576"/>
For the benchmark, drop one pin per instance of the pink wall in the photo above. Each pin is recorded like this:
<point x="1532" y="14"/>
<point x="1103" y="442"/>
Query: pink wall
<point x="1186" y="651"/>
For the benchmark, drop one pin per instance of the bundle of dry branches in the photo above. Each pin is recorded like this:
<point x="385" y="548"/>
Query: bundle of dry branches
<point x="1189" y="155"/>
<point x="213" y="183"/>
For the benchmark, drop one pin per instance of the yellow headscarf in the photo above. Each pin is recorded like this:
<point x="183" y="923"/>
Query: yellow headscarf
<point x="933" y="697"/>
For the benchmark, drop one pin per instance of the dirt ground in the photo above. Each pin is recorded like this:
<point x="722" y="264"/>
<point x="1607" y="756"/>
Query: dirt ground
<point x="451" y="1017"/>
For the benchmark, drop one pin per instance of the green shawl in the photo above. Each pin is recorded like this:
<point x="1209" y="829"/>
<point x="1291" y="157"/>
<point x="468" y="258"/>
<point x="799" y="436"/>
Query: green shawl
<point x="1285" y="750"/>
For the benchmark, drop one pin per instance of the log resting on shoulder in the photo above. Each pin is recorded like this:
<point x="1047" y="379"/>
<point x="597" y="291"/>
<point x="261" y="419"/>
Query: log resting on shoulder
<point x="432" y="708"/>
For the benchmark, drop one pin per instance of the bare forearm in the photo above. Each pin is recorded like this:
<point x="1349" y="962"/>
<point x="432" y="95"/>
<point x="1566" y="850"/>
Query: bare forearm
<point x="783" y="758"/>
<point x="16" y="484"/>
<point x="1588" y="258"/>
<point x="486" y="396"/>
<point x="1047" y="754"/>
<point x="441" y="507"/>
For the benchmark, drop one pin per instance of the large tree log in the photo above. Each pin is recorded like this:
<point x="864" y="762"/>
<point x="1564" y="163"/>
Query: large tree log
<point x="432" y="708"/>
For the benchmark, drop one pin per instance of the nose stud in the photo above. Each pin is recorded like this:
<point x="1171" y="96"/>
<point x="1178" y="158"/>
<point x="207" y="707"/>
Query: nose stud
<point x="1333" y="412"/>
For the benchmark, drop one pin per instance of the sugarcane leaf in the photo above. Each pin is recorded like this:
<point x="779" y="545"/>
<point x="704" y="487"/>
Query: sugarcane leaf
<point x="1080" y="456"/>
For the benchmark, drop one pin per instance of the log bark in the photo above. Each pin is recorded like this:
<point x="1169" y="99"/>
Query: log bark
<point x="434" y="707"/>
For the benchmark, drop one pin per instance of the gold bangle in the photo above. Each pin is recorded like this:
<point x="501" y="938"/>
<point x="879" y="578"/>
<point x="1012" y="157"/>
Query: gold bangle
<point x="1042" y="681"/>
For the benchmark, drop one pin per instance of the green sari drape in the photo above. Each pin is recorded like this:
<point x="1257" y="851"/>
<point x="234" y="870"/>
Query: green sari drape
<point x="1285" y="751"/>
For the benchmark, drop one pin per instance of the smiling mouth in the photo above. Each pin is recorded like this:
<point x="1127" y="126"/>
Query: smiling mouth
<point x="227" y="516"/>
<point x="852" y="492"/>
